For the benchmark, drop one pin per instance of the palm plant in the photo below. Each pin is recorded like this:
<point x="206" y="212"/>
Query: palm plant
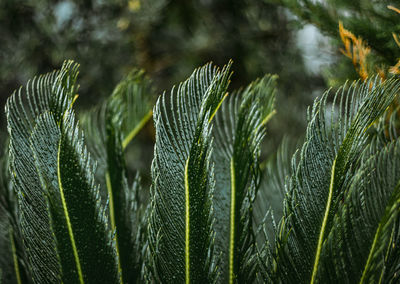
<point x="208" y="219"/>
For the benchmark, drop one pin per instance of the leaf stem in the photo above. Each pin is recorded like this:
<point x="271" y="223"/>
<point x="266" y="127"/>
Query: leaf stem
<point x="232" y="225"/>
<point x="378" y="231"/>
<point x="268" y="117"/>
<point x="69" y="226"/>
<point x="113" y="225"/>
<point x="324" y="222"/>
<point x="136" y="130"/>
<point x="218" y="106"/>
<point x="187" y="224"/>
<point x="383" y="221"/>
<point x="15" y="258"/>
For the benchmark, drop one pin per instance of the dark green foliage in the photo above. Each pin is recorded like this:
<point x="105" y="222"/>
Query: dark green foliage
<point x="180" y="232"/>
<point x="48" y="162"/>
<point x="207" y="220"/>
<point x="369" y="222"/>
<point x="74" y="170"/>
<point x="111" y="127"/>
<point x="239" y="129"/>
<point x="331" y="154"/>
<point x="11" y="241"/>
<point x="33" y="215"/>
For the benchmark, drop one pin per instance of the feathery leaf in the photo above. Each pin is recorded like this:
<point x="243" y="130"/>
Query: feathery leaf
<point x="238" y="132"/>
<point x="134" y="96"/>
<point x="13" y="260"/>
<point x="328" y="161"/>
<point x="364" y="224"/>
<point x="180" y="229"/>
<point x="63" y="225"/>
<point x="111" y="126"/>
<point x="51" y="92"/>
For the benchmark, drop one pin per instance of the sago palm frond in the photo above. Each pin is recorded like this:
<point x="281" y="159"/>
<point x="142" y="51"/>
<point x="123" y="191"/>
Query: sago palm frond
<point x="23" y="172"/>
<point x="64" y="228"/>
<point x="272" y="190"/>
<point x="329" y="159"/>
<point x="268" y="210"/>
<point x="238" y="132"/>
<point x="180" y="223"/>
<point x="13" y="262"/>
<point x="134" y="97"/>
<point x="111" y="126"/>
<point x="366" y="222"/>
<point x="370" y="211"/>
<point x="130" y="105"/>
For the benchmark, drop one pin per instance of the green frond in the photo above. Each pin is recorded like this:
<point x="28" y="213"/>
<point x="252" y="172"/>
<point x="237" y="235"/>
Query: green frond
<point x="129" y="107"/>
<point x="180" y="222"/>
<point x="238" y="133"/>
<point x="361" y="236"/>
<point x="391" y="269"/>
<point x="13" y="259"/>
<point x="268" y="203"/>
<point x="212" y="213"/>
<point x="274" y="177"/>
<point x="140" y="223"/>
<point x="124" y="215"/>
<point x="329" y="158"/>
<point x="267" y="206"/>
<point x="47" y="93"/>
<point x="93" y="123"/>
<point x="133" y="97"/>
<point x="109" y="125"/>
<point x="78" y="221"/>
<point x="63" y="224"/>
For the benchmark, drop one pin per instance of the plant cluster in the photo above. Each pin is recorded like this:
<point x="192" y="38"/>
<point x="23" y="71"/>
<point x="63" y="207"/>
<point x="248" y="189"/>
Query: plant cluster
<point x="206" y="219"/>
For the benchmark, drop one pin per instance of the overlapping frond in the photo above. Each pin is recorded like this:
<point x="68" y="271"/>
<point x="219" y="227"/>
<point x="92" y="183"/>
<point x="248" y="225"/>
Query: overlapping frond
<point x="268" y="210"/>
<point x="78" y="221"/>
<point x="133" y="97"/>
<point x="238" y="133"/>
<point x="329" y="159"/>
<point x="129" y="107"/>
<point x="366" y="222"/>
<point x="123" y="218"/>
<point x="63" y="225"/>
<point x="42" y="94"/>
<point x="272" y="190"/>
<point x="13" y="259"/>
<point x="391" y="270"/>
<point x="111" y="126"/>
<point x="140" y="211"/>
<point x="180" y="223"/>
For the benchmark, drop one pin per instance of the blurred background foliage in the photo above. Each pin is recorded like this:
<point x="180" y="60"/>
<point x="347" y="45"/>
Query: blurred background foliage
<point x="365" y="31"/>
<point x="166" y="38"/>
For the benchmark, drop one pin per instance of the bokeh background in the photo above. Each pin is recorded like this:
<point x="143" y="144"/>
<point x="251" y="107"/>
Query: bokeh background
<point x="166" y="38"/>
